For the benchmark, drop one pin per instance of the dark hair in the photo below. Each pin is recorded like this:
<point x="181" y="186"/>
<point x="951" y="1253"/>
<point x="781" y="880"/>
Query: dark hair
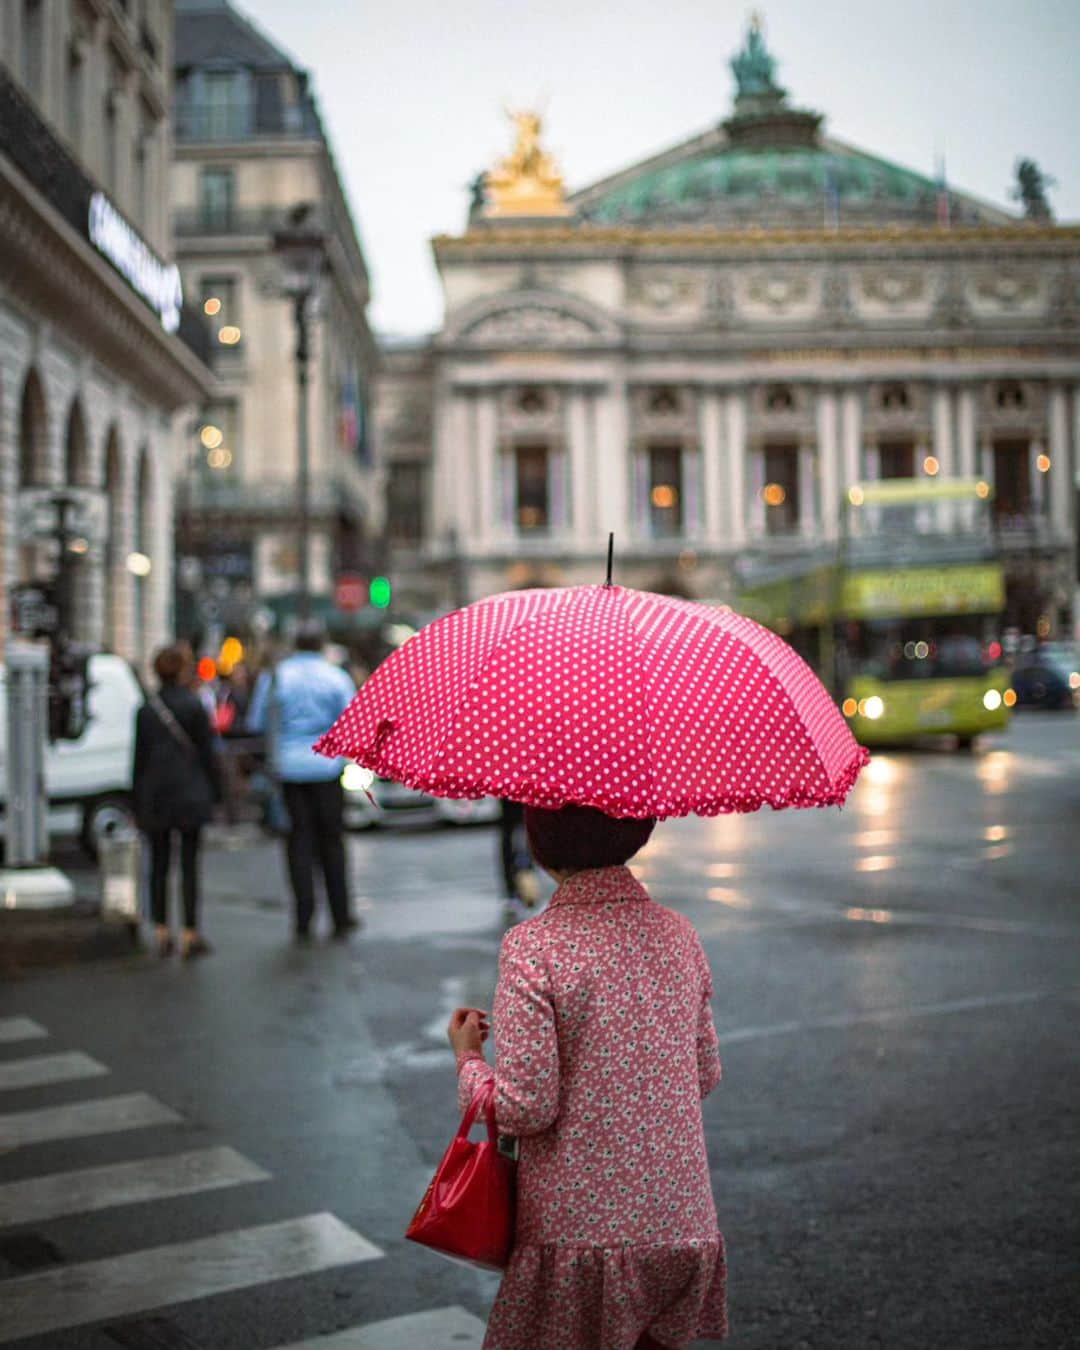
<point x="575" y="838"/>
<point x="171" y="662"/>
<point x="310" y="637"/>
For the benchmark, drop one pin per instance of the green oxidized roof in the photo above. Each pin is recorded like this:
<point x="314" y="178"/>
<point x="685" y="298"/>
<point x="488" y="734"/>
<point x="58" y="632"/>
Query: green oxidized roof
<point x="797" y="175"/>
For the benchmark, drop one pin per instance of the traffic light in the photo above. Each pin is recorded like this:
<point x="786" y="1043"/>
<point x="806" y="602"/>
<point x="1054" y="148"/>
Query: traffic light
<point x="379" y="592"/>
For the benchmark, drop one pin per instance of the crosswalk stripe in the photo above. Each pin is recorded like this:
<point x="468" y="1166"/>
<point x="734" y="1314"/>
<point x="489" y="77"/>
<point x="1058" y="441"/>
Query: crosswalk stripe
<point x="40" y="1070"/>
<point x="20" y="1029"/>
<point x="119" y="1286"/>
<point x="128" y="1183"/>
<point x="439" y="1329"/>
<point x="79" y="1120"/>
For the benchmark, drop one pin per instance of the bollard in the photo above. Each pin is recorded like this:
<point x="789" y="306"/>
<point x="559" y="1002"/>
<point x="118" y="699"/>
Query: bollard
<point x="118" y="864"/>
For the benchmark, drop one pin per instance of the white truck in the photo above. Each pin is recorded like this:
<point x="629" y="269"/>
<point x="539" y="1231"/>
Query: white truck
<point x="88" y="780"/>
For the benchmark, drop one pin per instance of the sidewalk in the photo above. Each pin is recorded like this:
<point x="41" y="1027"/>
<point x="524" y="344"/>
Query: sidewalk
<point x="38" y="939"/>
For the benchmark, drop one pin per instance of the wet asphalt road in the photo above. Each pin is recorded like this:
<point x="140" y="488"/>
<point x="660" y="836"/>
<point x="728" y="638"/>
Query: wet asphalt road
<point x="894" y="1145"/>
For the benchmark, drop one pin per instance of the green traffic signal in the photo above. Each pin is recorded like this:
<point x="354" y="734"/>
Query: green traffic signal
<point x="379" y="592"/>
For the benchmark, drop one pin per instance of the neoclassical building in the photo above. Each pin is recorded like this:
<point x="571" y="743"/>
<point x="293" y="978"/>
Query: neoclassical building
<point x="702" y="352"/>
<point x="99" y="358"/>
<point x="251" y="150"/>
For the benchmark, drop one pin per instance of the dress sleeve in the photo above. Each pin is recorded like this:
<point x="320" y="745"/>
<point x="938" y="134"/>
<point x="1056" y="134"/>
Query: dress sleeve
<point x="708" y="1044"/>
<point x="527" y="1069"/>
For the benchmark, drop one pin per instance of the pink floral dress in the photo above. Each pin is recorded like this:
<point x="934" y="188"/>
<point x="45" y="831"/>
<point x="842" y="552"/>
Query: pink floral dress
<point x="606" y="1047"/>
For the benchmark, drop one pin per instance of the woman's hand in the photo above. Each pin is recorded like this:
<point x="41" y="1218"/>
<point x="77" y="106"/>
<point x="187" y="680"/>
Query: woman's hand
<point x="467" y="1029"/>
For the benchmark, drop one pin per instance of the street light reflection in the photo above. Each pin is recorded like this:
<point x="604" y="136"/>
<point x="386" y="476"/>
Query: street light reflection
<point x="876" y="862"/>
<point x="722" y="869"/>
<point x="998" y="851"/>
<point x="995" y="833"/>
<point x="869" y="915"/>
<point x="876" y="838"/>
<point x="725" y="896"/>
<point x="994" y="771"/>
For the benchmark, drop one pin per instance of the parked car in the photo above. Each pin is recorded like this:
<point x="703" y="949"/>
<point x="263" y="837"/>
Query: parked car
<point x="88" y="780"/>
<point x="1041" y="684"/>
<point x="371" y="801"/>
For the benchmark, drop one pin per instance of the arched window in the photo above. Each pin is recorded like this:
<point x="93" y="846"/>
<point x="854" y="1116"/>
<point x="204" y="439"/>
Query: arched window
<point x="139" y="561"/>
<point x="33" y="434"/>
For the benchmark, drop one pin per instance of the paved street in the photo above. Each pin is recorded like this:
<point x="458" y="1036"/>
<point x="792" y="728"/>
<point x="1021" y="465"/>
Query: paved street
<point x="224" y="1156"/>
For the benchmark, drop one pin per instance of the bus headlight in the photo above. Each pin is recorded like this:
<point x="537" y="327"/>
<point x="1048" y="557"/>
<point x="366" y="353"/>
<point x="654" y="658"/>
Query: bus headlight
<point x="992" y="700"/>
<point x="874" y="707"/>
<point x="355" y="778"/>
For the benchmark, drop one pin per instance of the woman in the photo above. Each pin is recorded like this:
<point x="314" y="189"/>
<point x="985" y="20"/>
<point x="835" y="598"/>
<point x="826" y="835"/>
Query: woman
<point x="176" y="784"/>
<point x="606" y="1048"/>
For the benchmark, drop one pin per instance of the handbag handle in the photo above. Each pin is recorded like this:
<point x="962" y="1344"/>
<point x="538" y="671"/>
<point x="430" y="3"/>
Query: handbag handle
<point x="483" y="1099"/>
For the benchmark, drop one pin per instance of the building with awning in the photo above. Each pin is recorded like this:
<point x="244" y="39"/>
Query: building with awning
<point x="100" y="357"/>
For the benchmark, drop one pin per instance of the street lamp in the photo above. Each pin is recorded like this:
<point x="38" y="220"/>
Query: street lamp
<point x="301" y="246"/>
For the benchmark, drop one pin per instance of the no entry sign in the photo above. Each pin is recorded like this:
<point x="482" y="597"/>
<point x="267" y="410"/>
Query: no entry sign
<point x="350" y="592"/>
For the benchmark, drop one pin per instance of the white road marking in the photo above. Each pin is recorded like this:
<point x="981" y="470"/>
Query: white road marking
<point x="41" y="1070"/>
<point x="159" y="1277"/>
<point x="20" y="1029"/>
<point x="440" y="1329"/>
<point x="78" y="1120"/>
<point x="843" y="1020"/>
<point x="60" y="1193"/>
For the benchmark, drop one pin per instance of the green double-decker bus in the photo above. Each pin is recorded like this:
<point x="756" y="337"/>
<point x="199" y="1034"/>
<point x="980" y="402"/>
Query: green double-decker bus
<point x="902" y="618"/>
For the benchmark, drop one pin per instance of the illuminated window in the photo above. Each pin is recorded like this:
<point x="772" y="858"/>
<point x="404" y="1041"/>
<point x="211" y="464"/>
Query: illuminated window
<point x="781" y="489"/>
<point x="665" y="485"/>
<point x="221" y="310"/>
<point x="532" y="489"/>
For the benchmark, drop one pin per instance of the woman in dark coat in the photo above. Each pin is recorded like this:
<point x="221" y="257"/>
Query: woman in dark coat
<point x="176" y="783"/>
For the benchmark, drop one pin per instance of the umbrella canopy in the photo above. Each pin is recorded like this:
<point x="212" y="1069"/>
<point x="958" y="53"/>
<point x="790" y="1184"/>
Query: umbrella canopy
<point x="638" y="704"/>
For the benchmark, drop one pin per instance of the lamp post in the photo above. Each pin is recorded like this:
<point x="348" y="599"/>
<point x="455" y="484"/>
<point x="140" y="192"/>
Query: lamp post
<point x="301" y="246"/>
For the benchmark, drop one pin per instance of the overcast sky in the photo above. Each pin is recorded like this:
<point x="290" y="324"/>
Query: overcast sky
<point x="413" y="94"/>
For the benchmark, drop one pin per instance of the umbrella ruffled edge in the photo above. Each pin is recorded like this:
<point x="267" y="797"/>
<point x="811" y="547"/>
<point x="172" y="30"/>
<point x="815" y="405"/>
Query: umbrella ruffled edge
<point x="798" y="799"/>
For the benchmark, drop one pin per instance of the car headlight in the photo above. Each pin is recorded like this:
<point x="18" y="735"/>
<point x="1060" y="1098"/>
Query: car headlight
<point x="355" y="778"/>
<point x="873" y="707"/>
<point x="992" y="700"/>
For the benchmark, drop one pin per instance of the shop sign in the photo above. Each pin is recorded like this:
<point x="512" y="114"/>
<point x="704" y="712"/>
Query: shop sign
<point x="158" y="282"/>
<point x="923" y="590"/>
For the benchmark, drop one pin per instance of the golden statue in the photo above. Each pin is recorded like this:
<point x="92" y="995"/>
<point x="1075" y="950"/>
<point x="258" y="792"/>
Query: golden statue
<point x="527" y="182"/>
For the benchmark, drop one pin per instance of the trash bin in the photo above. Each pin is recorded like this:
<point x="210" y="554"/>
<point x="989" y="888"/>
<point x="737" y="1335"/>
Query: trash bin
<point x="119" y="867"/>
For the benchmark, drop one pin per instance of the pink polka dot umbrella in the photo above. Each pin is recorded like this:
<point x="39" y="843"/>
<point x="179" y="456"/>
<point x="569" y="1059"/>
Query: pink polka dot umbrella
<point x="638" y="704"/>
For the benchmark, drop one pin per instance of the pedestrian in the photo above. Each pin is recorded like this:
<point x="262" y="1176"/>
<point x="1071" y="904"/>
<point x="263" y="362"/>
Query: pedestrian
<point x="293" y="705"/>
<point x="176" y="784"/>
<point x="606" y="1047"/>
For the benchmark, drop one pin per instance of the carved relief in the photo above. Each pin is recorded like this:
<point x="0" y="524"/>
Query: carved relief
<point x="895" y="292"/>
<point x="1007" y="291"/>
<point x="534" y="325"/>
<point x="666" y="292"/>
<point x="773" y="294"/>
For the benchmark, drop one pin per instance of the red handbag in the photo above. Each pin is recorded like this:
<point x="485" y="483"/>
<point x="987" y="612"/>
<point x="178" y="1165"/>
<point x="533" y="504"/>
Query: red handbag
<point x="468" y="1209"/>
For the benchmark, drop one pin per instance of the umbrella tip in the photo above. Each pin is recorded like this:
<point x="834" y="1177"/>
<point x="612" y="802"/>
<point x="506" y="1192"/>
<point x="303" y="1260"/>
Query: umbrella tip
<point x="610" y="554"/>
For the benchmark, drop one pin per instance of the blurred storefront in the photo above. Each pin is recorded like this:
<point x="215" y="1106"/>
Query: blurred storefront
<point x="704" y="351"/>
<point x="99" y="356"/>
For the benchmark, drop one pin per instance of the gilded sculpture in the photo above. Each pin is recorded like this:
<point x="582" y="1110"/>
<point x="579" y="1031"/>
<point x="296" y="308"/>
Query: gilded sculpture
<point x="527" y="182"/>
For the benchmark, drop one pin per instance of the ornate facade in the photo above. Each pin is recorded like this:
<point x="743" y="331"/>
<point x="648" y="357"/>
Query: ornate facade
<point x="98" y="356"/>
<point x="702" y="353"/>
<point x="250" y="150"/>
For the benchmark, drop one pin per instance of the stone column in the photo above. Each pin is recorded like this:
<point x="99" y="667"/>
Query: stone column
<point x="735" y="429"/>
<point x="613" y="434"/>
<point x="851" y="437"/>
<point x="808" y="504"/>
<point x="1060" y="482"/>
<point x="828" y="461"/>
<point x="711" y="435"/>
<point x="966" y="462"/>
<point x="943" y="429"/>
<point x="580" y="451"/>
<point x="486" y="424"/>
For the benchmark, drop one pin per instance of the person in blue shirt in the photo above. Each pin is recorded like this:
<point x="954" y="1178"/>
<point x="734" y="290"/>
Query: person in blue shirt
<point x="293" y="705"/>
